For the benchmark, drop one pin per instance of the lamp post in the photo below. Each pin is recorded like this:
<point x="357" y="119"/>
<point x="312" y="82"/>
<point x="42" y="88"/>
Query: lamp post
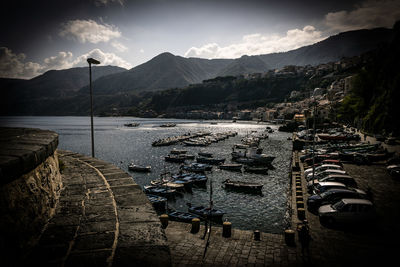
<point x="91" y="61"/>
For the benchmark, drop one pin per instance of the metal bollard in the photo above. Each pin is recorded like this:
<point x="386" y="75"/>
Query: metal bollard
<point x="301" y="213"/>
<point x="289" y="237"/>
<point x="257" y="235"/>
<point x="195" y="225"/>
<point x="164" y="220"/>
<point x="226" y="229"/>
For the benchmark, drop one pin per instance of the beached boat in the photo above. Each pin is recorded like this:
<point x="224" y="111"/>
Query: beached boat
<point x="231" y="167"/>
<point x="138" y="168"/>
<point x="243" y="186"/>
<point x="206" y="212"/>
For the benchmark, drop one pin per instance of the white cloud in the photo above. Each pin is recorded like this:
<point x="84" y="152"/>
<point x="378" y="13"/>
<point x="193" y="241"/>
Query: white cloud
<point x="88" y="31"/>
<point x="14" y="65"/>
<point x="256" y="44"/>
<point x="120" y="47"/>
<point x="369" y="14"/>
<point x="141" y="50"/>
<point x="104" y="58"/>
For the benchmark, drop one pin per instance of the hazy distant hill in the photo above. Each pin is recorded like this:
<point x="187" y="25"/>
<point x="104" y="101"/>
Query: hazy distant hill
<point x="18" y="95"/>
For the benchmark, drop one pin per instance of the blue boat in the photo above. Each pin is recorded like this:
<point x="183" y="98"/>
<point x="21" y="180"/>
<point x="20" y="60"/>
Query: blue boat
<point x="181" y="216"/>
<point x="206" y="212"/>
<point x="157" y="201"/>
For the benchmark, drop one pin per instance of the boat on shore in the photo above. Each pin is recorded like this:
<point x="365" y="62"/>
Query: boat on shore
<point x="243" y="186"/>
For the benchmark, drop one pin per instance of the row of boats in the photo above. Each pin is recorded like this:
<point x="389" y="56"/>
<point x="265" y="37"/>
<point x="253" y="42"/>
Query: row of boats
<point x="201" y="138"/>
<point x="136" y="124"/>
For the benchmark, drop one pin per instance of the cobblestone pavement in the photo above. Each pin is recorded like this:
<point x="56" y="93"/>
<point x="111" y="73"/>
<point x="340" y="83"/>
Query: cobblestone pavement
<point x="102" y="219"/>
<point x="240" y="249"/>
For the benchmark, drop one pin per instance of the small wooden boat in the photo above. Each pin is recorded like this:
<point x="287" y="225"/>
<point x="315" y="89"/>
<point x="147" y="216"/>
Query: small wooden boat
<point x="197" y="167"/>
<point x="175" y="158"/>
<point x="213" y="161"/>
<point x="205" y="154"/>
<point x="138" y="168"/>
<point x="132" y="124"/>
<point x="231" y="167"/>
<point x="178" y="151"/>
<point x="181" y="216"/>
<point x="206" y="212"/>
<point x="159" y="190"/>
<point x="259" y="170"/>
<point x="158" y="202"/>
<point x="243" y="186"/>
<point x="168" y="125"/>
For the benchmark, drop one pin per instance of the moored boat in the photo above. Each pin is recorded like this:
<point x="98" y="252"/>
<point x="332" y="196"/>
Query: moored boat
<point x="158" y="202"/>
<point x="231" y="167"/>
<point x="181" y="216"/>
<point x="138" y="168"/>
<point x="197" y="167"/>
<point x="206" y="212"/>
<point x="175" y="158"/>
<point x="159" y="190"/>
<point x="211" y="160"/>
<point x="243" y="186"/>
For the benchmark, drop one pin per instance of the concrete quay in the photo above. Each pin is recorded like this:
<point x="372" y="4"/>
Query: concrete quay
<point x="102" y="219"/>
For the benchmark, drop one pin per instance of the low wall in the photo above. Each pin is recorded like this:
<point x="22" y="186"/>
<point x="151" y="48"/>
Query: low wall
<point x="30" y="184"/>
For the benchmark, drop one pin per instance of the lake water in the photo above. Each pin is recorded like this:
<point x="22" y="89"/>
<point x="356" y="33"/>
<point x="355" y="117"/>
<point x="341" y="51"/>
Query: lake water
<point x="121" y="145"/>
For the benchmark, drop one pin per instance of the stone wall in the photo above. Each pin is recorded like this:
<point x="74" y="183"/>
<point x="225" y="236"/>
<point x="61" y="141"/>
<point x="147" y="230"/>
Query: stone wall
<point x="30" y="185"/>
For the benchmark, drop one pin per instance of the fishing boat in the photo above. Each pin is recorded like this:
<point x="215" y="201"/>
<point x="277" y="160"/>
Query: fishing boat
<point x="259" y="170"/>
<point x="168" y="125"/>
<point x="191" y="178"/>
<point x="197" y="167"/>
<point x="181" y="216"/>
<point x="205" y="154"/>
<point x="178" y="151"/>
<point x="132" y="124"/>
<point x="159" y="190"/>
<point x="138" y="168"/>
<point x="243" y="186"/>
<point x="213" y="161"/>
<point x="175" y="158"/>
<point x="206" y="212"/>
<point x="158" y="202"/>
<point x="231" y="167"/>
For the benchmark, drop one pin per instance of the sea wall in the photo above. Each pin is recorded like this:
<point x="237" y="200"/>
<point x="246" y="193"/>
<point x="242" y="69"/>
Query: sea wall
<point x="30" y="185"/>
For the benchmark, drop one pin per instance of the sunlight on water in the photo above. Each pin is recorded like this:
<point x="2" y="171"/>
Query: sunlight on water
<point x="121" y="145"/>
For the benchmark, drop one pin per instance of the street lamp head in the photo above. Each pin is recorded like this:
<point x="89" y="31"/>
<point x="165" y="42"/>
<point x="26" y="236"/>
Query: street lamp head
<point x="93" y="61"/>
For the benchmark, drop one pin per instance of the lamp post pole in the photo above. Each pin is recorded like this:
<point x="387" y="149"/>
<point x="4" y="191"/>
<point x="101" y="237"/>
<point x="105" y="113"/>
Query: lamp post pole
<point x="91" y="61"/>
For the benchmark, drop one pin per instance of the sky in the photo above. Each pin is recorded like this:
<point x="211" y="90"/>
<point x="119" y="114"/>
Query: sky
<point x="37" y="36"/>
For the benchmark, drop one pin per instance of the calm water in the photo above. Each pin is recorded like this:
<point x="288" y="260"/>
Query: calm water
<point x="121" y="145"/>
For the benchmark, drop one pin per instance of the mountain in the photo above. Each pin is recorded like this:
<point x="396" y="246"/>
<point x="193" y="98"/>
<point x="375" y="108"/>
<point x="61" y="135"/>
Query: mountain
<point x="169" y="71"/>
<point x="18" y="95"/>
<point x="162" y="72"/>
